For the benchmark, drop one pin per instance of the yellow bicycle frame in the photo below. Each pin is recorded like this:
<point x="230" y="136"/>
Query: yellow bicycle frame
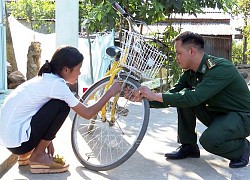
<point x="112" y="72"/>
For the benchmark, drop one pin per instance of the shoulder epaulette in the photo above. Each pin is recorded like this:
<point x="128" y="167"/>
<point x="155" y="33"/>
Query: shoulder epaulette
<point x="210" y="63"/>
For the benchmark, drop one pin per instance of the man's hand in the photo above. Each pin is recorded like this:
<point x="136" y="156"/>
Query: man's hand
<point x="132" y="94"/>
<point x="144" y="91"/>
<point x="136" y="95"/>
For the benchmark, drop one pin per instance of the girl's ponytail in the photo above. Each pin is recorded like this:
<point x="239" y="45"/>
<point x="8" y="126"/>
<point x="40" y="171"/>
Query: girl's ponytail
<point x="46" y="68"/>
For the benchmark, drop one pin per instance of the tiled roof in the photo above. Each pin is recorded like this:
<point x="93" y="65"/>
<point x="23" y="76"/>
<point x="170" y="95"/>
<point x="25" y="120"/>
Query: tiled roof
<point x="207" y="15"/>
<point x="213" y="22"/>
<point x="200" y="28"/>
<point x="210" y="23"/>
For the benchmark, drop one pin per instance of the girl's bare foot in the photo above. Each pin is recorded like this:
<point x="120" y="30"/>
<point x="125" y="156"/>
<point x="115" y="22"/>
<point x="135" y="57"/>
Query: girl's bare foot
<point x="44" y="163"/>
<point x="43" y="158"/>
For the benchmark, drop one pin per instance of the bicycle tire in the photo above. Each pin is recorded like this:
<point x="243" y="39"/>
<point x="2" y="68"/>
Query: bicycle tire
<point x="98" y="154"/>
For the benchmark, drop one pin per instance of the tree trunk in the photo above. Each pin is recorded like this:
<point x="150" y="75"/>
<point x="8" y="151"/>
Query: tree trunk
<point x="245" y="36"/>
<point x="9" y="47"/>
<point x="90" y="56"/>
<point x="34" y="58"/>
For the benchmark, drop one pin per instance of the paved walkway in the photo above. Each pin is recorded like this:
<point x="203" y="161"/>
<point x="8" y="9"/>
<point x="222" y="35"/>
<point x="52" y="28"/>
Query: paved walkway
<point x="147" y="163"/>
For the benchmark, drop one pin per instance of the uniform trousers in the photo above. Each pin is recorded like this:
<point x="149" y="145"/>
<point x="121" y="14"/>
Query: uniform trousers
<point x="225" y="135"/>
<point x="44" y="125"/>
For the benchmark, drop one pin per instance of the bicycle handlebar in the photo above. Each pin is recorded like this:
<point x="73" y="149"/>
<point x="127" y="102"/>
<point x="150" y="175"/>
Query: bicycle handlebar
<point x="117" y="7"/>
<point x="131" y="22"/>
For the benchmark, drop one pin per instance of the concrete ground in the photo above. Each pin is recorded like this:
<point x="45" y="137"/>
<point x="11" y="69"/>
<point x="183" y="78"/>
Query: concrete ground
<point x="7" y="160"/>
<point x="147" y="162"/>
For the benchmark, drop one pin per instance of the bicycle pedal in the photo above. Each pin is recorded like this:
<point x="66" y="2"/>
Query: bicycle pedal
<point x="122" y="111"/>
<point x="111" y="123"/>
<point x="91" y="125"/>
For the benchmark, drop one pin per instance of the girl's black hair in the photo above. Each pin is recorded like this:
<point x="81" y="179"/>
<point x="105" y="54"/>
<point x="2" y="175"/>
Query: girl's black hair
<point x="66" y="56"/>
<point x="191" y="38"/>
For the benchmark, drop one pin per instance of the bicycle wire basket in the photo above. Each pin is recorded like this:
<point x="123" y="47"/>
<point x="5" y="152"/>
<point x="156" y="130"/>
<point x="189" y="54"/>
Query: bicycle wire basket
<point x="139" y="56"/>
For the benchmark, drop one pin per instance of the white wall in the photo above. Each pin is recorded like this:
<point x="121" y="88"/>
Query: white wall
<point x="67" y="22"/>
<point x="22" y="36"/>
<point x="3" y="68"/>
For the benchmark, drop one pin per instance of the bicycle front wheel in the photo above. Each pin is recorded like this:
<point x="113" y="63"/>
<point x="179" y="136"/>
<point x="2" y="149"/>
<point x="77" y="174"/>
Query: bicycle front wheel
<point x="100" y="145"/>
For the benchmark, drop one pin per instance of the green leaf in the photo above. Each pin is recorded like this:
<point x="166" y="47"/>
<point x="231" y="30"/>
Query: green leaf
<point x="99" y="16"/>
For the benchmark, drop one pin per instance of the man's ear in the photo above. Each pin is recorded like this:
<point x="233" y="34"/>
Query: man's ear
<point x="193" y="51"/>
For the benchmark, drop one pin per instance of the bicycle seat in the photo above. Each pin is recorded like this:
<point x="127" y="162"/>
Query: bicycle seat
<point x="114" y="52"/>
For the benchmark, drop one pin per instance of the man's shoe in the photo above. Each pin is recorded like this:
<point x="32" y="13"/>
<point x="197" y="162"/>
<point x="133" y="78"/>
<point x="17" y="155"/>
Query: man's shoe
<point x="184" y="151"/>
<point x="243" y="160"/>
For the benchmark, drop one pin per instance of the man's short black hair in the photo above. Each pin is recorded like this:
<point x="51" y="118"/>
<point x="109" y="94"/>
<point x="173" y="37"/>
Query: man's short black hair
<point x="189" y="37"/>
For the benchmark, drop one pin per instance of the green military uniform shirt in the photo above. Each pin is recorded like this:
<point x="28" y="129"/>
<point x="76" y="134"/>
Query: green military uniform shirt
<point x="217" y="83"/>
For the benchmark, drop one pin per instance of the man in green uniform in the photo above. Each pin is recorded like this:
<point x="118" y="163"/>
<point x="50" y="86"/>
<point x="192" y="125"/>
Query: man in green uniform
<point x="212" y="90"/>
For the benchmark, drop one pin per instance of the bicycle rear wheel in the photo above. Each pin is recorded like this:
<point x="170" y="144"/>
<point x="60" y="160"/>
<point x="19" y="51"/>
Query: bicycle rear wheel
<point x="102" y="146"/>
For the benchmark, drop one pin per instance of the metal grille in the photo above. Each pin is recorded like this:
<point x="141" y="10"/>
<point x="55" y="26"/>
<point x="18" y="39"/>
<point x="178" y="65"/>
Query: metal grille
<point x="139" y="56"/>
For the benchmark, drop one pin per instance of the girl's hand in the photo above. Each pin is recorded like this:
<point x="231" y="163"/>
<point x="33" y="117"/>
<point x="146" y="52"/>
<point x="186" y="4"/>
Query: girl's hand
<point x="115" y="88"/>
<point x="50" y="149"/>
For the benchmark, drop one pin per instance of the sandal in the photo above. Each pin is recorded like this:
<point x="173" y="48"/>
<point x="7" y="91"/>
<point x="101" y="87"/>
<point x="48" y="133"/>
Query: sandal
<point x="23" y="159"/>
<point x="23" y="162"/>
<point x="58" y="166"/>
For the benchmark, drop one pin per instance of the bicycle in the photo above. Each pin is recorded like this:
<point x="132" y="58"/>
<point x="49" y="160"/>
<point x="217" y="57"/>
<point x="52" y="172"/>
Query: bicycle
<point x="113" y="135"/>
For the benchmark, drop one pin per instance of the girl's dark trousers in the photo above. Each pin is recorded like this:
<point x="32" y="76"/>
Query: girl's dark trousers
<point x="44" y="125"/>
